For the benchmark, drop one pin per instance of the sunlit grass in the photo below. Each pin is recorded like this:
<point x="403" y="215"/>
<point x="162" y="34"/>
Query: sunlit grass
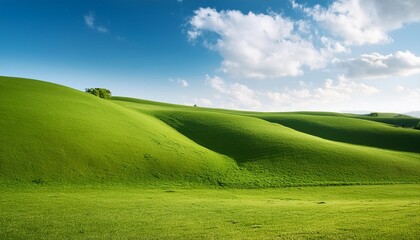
<point x="361" y="212"/>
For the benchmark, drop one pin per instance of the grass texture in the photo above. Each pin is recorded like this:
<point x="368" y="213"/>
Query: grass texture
<point x="351" y="212"/>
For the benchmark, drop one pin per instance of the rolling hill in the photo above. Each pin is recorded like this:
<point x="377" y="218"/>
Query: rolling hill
<point x="53" y="134"/>
<point x="354" y="130"/>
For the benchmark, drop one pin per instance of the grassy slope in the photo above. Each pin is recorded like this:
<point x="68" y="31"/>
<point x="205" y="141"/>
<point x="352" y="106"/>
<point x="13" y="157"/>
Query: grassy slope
<point x="53" y="133"/>
<point x="275" y="154"/>
<point x="58" y="134"/>
<point x="350" y="130"/>
<point x="388" y="118"/>
<point x="272" y="154"/>
<point x="352" y="212"/>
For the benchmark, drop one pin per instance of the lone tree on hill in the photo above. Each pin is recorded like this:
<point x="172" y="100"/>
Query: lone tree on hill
<point x="99" y="92"/>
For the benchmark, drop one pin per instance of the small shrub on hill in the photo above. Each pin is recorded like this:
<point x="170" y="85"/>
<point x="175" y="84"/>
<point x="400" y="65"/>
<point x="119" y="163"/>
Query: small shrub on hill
<point x="99" y="92"/>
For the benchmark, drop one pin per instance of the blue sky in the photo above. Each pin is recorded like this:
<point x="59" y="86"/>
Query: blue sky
<point x="267" y="55"/>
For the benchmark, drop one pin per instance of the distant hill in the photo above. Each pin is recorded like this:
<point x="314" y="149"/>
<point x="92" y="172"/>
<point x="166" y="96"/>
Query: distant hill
<point x="53" y="134"/>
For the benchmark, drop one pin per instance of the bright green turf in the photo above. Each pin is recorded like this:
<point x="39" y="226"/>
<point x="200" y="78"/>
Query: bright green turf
<point x="351" y="212"/>
<point x="277" y="155"/>
<point x="53" y="134"/>
<point x="350" y="130"/>
<point x="389" y="118"/>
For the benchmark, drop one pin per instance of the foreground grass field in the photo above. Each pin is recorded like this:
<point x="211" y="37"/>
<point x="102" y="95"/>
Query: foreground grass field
<point x="346" y="212"/>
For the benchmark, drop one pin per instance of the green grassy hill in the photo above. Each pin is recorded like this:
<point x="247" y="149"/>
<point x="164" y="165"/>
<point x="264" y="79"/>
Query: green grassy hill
<point x="353" y="130"/>
<point x="54" y="134"/>
<point x="51" y="133"/>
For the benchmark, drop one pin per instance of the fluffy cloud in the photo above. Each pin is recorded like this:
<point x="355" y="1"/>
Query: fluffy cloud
<point x="376" y="65"/>
<point x="237" y="95"/>
<point x="269" y="45"/>
<point x="359" y="22"/>
<point x="343" y="88"/>
<point x="244" y="95"/>
<point x="90" y="22"/>
<point x="217" y="83"/>
<point x="259" y="45"/>
<point x="332" y="91"/>
<point x="333" y="95"/>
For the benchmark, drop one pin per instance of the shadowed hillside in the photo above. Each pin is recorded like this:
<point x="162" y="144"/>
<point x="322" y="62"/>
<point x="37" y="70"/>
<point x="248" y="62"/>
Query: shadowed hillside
<point x="277" y="153"/>
<point x="350" y="130"/>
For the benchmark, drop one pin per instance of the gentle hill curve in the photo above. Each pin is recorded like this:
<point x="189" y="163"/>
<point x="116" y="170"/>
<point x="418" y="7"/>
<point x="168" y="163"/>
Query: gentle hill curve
<point x="280" y="154"/>
<point x="395" y="119"/>
<point x="51" y="133"/>
<point x="350" y="130"/>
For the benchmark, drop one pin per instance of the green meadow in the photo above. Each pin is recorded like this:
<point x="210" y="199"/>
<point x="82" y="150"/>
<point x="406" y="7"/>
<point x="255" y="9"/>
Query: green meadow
<point x="75" y="166"/>
<point x="351" y="212"/>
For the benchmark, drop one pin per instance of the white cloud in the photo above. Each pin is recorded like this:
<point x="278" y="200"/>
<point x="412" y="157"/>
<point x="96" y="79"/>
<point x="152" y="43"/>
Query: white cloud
<point x="339" y="94"/>
<point x="193" y="34"/>
<point x="90" y="22"/>
<point x="359" y="22"/>
<point x="259" y="45"/>
<point x="266" y="46"/>
<point x="269" y="45"/>
<point x="343" y="88"/>
<point x="331" y="92"/>
<point x="244" y="95"/>
<point x="217" y="83"/>
<point x="102" y="29"/>
<point x="334" y="46"/>
<point x="236" y="95"/>
<point x="375" y="65"/>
